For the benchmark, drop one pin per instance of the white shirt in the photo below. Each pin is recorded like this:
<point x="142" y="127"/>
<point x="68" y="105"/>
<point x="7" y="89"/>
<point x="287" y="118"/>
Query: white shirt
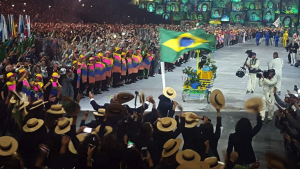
<point x="276" y="64"/>
<point x="268" y="87"/>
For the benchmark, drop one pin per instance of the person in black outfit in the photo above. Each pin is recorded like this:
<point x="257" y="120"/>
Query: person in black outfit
<point x="165" y="106"/>
<point x="241" y="140"/>
<point x="293" y="47"/>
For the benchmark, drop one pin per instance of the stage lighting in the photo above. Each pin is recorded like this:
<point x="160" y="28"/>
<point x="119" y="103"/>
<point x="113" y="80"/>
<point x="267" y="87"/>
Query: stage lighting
<point x="91" y="6"/>
<point x="24" y="3"/>
<point x="82" y="4"/>
<point x="49" y="6"/>
<point x="23" y="10"/>
<point x="79" y="1"/>
<point x="12" y="5"/>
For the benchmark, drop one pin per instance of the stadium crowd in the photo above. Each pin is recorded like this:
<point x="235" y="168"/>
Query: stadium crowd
<point x="63" y="62"/>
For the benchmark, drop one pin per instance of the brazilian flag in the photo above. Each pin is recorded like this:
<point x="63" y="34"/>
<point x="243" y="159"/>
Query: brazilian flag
<point x="174" y="44"/>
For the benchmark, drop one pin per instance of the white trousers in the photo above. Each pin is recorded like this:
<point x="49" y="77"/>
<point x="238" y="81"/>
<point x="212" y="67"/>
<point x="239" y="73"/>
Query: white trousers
<point x="293" y="58"/>
<point x="267" y="105"/>
<point x="278" y="77"/>
<point x="251" y="81"/>
<point x="271" y="41"/>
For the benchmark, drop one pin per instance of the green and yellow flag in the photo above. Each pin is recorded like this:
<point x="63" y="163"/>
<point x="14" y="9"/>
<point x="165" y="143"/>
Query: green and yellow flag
<point x="174" y="44"/>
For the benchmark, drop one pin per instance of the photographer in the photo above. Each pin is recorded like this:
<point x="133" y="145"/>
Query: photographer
<point x="253" y="65"/>
<point x="268" y="84"/>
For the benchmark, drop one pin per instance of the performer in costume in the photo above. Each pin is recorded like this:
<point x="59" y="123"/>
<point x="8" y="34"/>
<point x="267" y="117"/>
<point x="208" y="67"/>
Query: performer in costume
<point x="258" y="36"/>
<point x="276" y="38"/>
<point x="108" y="61"/>
<point x="267" y="37"/>
<point x="100" y="75"/>
<point x="91" y="75"/>
<point x="54" y="84"/>
<point x="129" y="74"/>
<point x="77" y="77"/>
<point x="37" y="92"/>
<point x="124" y="69"/>
<point x="23" y="84"/>
<point x="83" y="81"/>
<point x="116" y="69"/>
<point x="140" y="66"/>
<point x="10" y="85"/>
<point x="135" y="64"/>
<point x="285" y="38"/>
<point x="147" y="63"/>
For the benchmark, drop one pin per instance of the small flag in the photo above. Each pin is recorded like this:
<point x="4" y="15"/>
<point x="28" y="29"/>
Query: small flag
<point x="27" y="26"/>
<point x="21" y="27"/>
<point x="4" y="29"/>
<point x="277" y="22"/>
<point x="174" y="44"/>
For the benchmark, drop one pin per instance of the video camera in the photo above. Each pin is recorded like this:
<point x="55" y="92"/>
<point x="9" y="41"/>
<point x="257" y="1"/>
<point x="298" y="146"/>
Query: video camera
<point x="242" y="70"/>
<point x="263" y="72"/>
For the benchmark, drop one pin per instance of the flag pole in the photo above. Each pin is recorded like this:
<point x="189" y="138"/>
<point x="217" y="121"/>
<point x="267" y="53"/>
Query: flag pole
<point x="198" y="53"/>
<point x="162" y="68"/>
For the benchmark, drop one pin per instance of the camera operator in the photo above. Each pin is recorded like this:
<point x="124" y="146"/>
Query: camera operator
<point x="268" y="84"/>
<point x="277" y="64"/>
<point x="253" y="65"/>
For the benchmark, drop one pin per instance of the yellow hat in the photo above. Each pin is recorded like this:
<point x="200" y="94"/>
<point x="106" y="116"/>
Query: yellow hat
<point x="55" y="74"/>
<point x="21" y="71"/>
<point x="75" y="61"/>
<point x="9" y="75"/>
<point x="100" y="54"/>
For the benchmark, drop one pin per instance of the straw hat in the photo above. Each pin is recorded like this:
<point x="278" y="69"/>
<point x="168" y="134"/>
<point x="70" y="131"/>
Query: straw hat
<point x="187" y="155"/>
<point x="124" y="97"/>
<point x="171" y="147"/>
<point x="276" y="161"/>
<point x="251" y="104"/>
<point x="107" y="130"/>
<point x="194" y="165"/>
<point x="214" y="163"/>
<point x="32" y="125"/>
<point x="56" y="109"/>
<point x="63" y="125"/>
<point x="142" y="97"/>
<point x="114" y="110"/>
<point x="37" y="104"/>
<point x="217" y="99"/>
<point x="169" y="92"/>
<point x="20" y="106"/>
<point x="12" y="100"/>
<point x="100" y="112"/>
<point x="8" y="145"/>
<point x="190" y="122"/>
<point x="166" y="124"/>
<point x="80" y="137"/>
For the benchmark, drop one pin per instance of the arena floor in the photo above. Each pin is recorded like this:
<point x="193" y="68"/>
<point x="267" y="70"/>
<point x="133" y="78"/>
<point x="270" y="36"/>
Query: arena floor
<point x="228" y="60"/>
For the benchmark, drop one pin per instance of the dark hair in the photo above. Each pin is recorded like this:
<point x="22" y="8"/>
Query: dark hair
<point x="207" y="131"/>
<point x="243" y="126"/>
<point x="145" y="132"/>
<point x="133" y="159"/>
<point x="290" y="24"/>
<point x="269" y="12"/>
<point x="276" y="54"/>
<point x="51" y="120"/>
